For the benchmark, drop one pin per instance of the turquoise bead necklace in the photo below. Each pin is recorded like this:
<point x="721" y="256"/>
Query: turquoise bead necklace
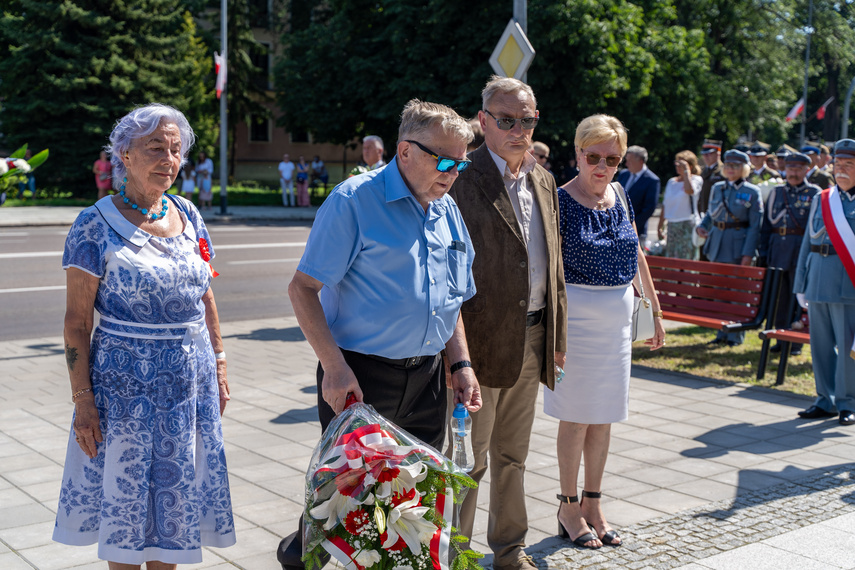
<point x="143" y="211"/>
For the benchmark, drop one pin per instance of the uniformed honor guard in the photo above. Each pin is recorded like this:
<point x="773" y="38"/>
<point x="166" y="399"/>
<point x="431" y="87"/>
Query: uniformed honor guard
<point x="711" y="155"/>
<point x="732" y="223"/>
<point x="782" y="153"/>
<point x="825" y="282"/>
<point x="784" y="223"/>
<point x="760" y="172"/>
<point x="815" y="175"/>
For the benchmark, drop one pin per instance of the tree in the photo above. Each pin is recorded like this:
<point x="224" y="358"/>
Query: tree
<point x="76" y="66"/>
<point x="351" y="70"/>
<point x="623" y="59"/>
<point x="247" y="95"/>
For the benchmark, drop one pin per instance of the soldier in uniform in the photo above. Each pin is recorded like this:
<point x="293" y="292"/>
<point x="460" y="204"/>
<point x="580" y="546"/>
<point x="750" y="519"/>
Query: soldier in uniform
<point x="711" y="155"/>
<point x="815" y="174"/>
<point x="757" y="155"/>
<point x="824" y="285"/>
<point x="784" y="223"/>
<point x="782" y="153"/>
<point x="732" y="223"/>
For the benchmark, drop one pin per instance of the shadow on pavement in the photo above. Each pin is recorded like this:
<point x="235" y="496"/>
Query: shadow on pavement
<point x="799" y="482"/>
<point x="290" y="334"/>
<point x="297" y="416"/>
<point x="785" y="435"/>
<point x="48" y="349"/>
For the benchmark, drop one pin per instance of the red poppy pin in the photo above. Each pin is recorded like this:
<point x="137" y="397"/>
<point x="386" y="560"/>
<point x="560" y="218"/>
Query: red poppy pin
<point x="205" y="252"/>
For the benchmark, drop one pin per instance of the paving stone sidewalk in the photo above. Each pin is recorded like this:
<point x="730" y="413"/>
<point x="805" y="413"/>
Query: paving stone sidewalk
<point x="701" y="472"/>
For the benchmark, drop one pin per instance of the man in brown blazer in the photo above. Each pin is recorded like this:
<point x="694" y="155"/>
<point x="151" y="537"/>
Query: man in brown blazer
<point x="516" y="322"/>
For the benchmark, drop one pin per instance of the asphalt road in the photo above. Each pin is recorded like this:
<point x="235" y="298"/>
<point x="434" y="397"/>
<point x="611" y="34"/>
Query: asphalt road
<point x="255" y="262"/>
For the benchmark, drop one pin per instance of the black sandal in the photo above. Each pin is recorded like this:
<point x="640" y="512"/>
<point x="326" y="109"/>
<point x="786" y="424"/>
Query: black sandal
<point x="579" y="541"/>
<point x="609" y="537"/>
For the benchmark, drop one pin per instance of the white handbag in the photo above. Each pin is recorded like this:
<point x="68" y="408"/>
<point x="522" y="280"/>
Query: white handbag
<point x="642" y="316"/>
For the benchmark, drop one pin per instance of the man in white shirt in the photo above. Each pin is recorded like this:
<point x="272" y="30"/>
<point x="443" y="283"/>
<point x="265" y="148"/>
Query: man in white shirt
<point x="286" y="180"/>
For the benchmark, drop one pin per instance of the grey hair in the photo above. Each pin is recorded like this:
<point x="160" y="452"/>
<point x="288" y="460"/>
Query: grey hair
<point x="419" y="117"/>
<point x="374" y="138"/>
<point x="504" y="85"/>
<point x="139" y="123"/>
<point x="638" y="151"/>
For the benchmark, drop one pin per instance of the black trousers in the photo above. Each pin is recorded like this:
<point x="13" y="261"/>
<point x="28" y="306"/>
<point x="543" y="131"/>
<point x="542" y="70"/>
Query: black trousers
<point x="413" y="398"/>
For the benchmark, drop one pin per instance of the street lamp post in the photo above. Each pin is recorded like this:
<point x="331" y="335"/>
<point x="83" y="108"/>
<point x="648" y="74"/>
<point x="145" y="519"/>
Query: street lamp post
<point x="224" y="174"/>
<point x="807" y="63"/>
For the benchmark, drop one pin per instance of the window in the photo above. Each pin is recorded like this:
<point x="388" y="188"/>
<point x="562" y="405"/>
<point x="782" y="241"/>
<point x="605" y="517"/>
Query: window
<point x="299" y="136"/>
<point x="261" y="60"/>
<point x="259" y="13"/>
<point x="259" y="129"/>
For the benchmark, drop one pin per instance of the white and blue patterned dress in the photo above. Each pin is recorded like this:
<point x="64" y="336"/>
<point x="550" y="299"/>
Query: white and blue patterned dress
<point x="158" y="488"/>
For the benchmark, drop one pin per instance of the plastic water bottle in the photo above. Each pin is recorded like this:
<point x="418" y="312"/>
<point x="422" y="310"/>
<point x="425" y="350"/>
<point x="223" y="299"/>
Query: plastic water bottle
<point x="461" y="438"/>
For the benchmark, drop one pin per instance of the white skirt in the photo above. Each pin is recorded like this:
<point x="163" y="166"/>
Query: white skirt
<point x="595" y="388"/>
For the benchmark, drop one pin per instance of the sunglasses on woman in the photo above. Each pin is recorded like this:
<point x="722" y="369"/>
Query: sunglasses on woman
<point x="594" y="159"/>
<point x="443" y="163"/>
<point x="507" y="123"/>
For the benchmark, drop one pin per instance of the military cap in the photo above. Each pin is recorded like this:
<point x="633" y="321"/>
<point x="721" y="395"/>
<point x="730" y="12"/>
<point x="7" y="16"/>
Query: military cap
<point x="742" y="147"/>
<point x="797" y="158"/>
<point x="736" y="156"/>
<point x="810" y="149"/>
<point x="711" y="145"/>
<point x="845" y="148"/>
<point x="759" y="149"/>
<point x="785" y="150"/>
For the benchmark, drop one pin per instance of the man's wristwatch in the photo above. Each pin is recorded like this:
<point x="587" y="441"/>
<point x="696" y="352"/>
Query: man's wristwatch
<point x="458" y="365"/>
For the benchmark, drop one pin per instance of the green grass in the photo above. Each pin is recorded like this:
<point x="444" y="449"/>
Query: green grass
<point x="687" y="351"/>
<point x="244" y="194"/>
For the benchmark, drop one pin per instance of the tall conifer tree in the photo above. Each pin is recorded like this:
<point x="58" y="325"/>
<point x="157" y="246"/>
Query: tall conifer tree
<point x="75" y="66"/>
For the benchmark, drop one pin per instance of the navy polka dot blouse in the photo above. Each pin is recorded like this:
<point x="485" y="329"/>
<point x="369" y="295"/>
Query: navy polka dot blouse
<point x="599" y="247"/>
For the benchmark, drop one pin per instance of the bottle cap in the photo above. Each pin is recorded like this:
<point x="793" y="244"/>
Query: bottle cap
<point x="460" y="411"/>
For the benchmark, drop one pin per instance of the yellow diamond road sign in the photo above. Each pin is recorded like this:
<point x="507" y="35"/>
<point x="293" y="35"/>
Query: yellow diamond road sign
<point x="513" y="54"/>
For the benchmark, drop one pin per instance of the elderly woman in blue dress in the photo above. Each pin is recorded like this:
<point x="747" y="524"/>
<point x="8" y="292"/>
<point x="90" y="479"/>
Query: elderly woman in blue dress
<point x="145" y="473"/>
<point x="602" y="257"/>
<point x="732" y="223"/>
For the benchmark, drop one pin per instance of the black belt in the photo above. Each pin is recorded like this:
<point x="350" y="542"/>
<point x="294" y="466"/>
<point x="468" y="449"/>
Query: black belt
<point x="824" y="250"/>
<point x="729" y="225"/>
<point x="410" y="362"/>
<point x="789" y="231"/>
<point x="534" y="318"/>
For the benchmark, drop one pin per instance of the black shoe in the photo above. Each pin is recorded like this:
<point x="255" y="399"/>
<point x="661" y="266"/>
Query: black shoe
<point x="290" y="552"/>
<point x="815" y="412"/>
<point x="776" y="349"/>
<point x="717" y="341"/>
<point x="795" y="351"/>
<point x="847" y="418"/>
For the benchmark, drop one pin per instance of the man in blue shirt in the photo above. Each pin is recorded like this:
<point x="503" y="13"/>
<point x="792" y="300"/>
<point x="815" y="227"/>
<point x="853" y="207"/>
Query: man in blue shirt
<point x="641" y="185"/>
<point x="392" y="260"/>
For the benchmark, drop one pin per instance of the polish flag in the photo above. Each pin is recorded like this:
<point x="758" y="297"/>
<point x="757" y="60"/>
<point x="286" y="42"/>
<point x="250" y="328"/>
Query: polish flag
<point x="820" y="114"/>
<point x="796" y="110"/>
<point x="220" y="65"/>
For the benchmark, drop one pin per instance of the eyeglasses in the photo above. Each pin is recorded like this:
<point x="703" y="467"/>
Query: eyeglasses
<point x="444" y="163"/>
<point x="594" y="159"/>
<point x="507" y="123"/>
<point x="541" y="156"/>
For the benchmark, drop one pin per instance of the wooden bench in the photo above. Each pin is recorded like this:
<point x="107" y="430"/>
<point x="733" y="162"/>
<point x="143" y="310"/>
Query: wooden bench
<point x="785" y="337"/>
<point x="713" y="295"/>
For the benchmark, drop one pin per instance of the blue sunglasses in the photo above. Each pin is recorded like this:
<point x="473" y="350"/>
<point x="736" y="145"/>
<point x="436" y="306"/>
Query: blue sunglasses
<point x="443" y="163"/>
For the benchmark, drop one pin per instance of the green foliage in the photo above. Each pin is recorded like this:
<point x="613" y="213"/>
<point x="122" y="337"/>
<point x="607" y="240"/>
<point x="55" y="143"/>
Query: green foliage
<point x="675" y="71"/>
<point x="75" y="66"/>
